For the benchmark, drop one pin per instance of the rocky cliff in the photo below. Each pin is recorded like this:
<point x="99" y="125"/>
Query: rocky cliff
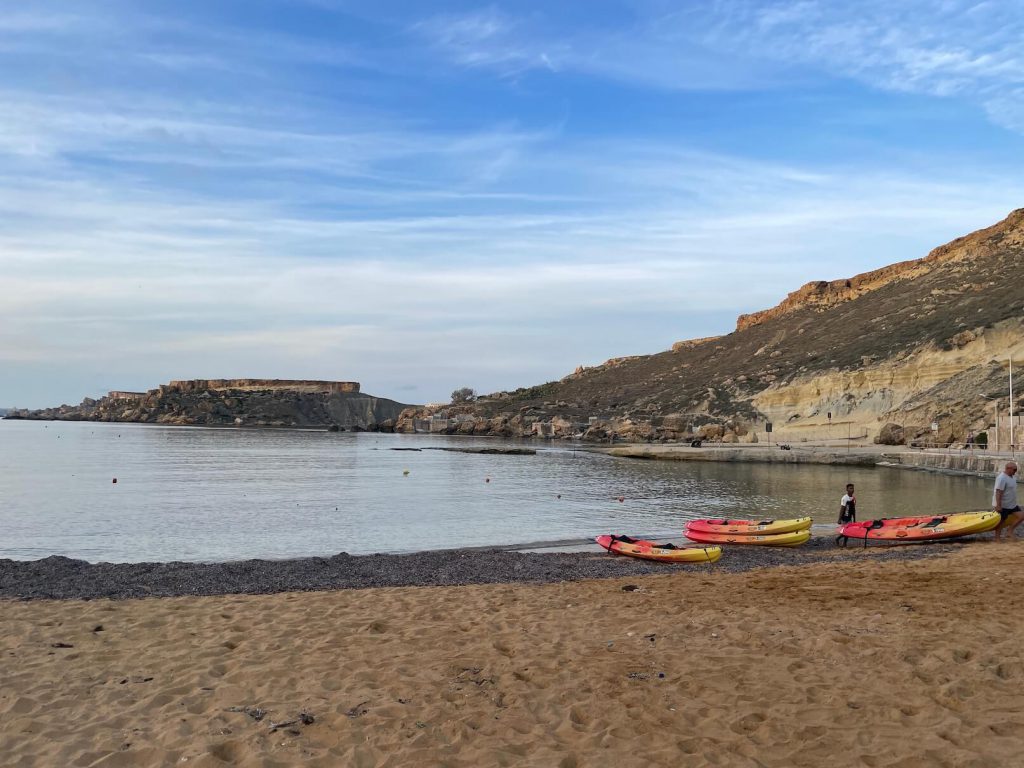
<point x="904" y="346"/>
<point x="237" y="402"/>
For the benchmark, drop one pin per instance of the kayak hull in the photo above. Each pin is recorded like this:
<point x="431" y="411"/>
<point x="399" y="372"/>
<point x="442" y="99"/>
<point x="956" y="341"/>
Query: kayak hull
<point x="791" y="539"/>
<point x="649" y="550"/>
<point x="749" y="527"/>
<point x="930" y="528"/>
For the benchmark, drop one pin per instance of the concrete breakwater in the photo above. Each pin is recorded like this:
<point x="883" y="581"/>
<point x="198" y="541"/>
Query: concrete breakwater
<point x="858" y="458"/>
<point x="967" y="464"/>
<point x="962" y="463"/>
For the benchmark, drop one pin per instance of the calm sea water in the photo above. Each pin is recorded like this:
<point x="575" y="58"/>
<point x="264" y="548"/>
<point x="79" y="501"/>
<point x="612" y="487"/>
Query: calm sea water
<point x="206" y="494"/>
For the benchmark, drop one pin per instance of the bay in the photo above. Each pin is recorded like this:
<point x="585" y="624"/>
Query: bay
<point x="199" y="494"/>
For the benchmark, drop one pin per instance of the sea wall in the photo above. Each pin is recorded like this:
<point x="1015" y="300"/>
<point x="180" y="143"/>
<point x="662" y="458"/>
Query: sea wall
<point x="970" y="464"/>
<point x="745" y="454"/>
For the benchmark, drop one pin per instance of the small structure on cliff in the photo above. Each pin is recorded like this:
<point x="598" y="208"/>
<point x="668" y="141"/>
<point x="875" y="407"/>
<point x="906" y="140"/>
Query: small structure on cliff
<point x="116" y="394"/>
<point x="256" y="385"/>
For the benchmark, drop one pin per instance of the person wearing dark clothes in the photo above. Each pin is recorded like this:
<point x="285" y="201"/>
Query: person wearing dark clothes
<point x="848" y="506"/>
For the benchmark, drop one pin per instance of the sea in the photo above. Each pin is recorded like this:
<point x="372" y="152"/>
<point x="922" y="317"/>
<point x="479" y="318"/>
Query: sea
<point x="141" y="493"/>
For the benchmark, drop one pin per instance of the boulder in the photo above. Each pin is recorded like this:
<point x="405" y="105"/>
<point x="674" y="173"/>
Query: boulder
<point x="710" y="432"/>
<point x="890" y="434"/>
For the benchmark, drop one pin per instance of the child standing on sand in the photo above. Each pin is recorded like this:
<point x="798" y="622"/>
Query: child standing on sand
<point x="848" y="506"/>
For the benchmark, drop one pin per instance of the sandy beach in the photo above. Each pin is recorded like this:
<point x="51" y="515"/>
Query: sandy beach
<point x="869" y="661"/>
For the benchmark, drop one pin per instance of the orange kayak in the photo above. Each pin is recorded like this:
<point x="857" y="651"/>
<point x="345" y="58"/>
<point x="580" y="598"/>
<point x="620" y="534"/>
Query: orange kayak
<point x="666" y="553"/>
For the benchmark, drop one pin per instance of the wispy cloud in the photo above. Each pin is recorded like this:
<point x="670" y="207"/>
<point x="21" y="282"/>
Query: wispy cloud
<point x="949" y="48"/>
<point x="487" y="38"/>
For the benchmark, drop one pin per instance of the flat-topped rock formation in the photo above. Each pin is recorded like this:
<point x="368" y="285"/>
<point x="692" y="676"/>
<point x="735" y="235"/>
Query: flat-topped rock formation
<point x="236" y="402"/>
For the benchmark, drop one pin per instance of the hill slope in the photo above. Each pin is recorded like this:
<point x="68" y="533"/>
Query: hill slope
<point x="910" y="343"/>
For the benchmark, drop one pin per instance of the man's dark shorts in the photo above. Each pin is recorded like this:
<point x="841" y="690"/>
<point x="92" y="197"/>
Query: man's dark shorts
<point x="1005" y="513"/>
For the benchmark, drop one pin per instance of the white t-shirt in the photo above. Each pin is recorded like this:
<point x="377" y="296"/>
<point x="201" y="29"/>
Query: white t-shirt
<point x="847" y="498"/>
<point x="1008" y="485"/>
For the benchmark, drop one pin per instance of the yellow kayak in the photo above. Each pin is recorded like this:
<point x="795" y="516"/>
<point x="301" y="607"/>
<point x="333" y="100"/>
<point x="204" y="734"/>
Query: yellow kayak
<point x="666" y="553"/>
<point x="791" y="539"/>
<point x="749" y="527"/>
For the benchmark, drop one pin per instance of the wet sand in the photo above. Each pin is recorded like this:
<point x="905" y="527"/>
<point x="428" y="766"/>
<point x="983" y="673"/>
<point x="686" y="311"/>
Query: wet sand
<point x="866" y="660"/>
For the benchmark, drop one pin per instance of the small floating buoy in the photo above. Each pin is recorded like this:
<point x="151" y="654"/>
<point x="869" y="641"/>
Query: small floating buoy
<point x="114" y="480"/>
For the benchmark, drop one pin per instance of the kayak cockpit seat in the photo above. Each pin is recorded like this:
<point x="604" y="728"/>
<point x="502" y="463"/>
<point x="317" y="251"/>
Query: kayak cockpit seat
<point x="874" y="524"/>
<point x="934" y="522"/>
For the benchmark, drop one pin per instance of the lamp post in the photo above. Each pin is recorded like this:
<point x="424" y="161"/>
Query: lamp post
<point x="995" y="424"/>
<point x="1011" y="407"/>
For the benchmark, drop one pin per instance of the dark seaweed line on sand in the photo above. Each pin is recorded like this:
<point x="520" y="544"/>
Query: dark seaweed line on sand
<point x="65" y="578"/>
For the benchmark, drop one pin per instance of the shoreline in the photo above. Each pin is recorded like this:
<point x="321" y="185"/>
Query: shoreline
<point x="62" y="578"/>
<point x="864" y="662"/>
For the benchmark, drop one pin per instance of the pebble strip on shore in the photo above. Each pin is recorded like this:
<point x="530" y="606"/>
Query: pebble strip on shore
<point x="65" y="578"/>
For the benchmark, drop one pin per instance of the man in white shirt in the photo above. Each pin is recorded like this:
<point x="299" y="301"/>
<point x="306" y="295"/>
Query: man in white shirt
<point x="848" y="506"/>
<point x="1004" y="501"/>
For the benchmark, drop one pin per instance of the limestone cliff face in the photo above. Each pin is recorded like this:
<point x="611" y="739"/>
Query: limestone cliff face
<point x="928" y="384"/>
<point x="236" y="402"/>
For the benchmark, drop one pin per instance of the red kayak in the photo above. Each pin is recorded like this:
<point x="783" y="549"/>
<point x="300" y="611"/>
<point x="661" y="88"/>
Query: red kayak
<point x="921" y="528"/>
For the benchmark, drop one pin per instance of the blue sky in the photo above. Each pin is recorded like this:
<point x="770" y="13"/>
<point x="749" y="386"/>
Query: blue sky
<point x="424" y="196"/>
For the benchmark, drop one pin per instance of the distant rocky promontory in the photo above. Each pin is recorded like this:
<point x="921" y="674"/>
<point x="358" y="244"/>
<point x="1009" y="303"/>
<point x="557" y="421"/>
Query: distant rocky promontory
<point x="235" y="402"/>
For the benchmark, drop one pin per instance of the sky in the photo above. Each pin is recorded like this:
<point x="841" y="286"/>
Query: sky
<point x="426" y="196"/>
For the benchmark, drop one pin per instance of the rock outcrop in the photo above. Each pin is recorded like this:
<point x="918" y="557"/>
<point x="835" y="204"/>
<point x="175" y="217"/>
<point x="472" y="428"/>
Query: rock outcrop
<point x="823" y="294"/>
<point x="236" y="402"/>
